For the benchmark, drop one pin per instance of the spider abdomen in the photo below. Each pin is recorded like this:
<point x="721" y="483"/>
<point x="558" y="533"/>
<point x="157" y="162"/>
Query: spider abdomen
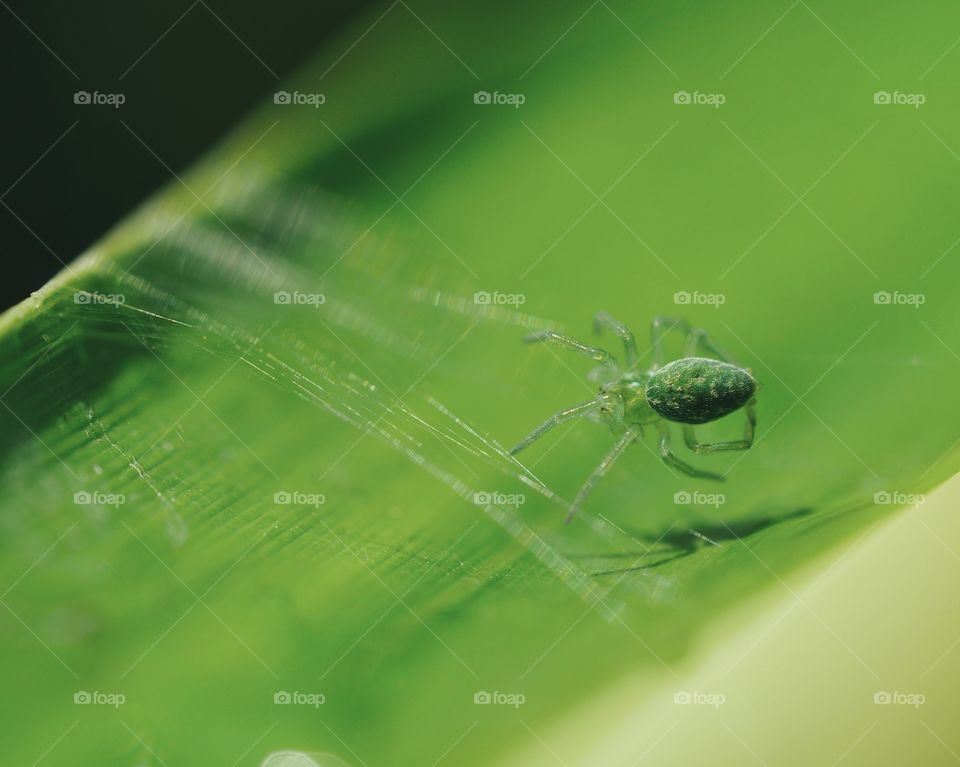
<point x="697" y="390"/>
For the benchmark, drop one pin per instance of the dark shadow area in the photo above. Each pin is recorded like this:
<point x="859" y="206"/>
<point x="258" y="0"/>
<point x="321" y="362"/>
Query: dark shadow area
<point x="186" y="70"/>
<point x="682" y="541"/>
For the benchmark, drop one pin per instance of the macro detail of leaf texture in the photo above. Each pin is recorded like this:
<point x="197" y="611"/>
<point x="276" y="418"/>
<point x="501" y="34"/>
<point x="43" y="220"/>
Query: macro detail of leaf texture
<point x="276" y="386"/>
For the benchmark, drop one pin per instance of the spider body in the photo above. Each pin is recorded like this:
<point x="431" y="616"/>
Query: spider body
<point x="689" y="391"/>
<point x="699" y="390"/>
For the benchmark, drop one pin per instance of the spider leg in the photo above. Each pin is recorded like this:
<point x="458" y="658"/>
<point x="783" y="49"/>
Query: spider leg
<point x="615" y="452"/>
<point x="659" y="327"/>
<point x="557" y="418"/>
<point x="715" y="447"/>
<point x="695" y="340"/>
<point x="671" y="459"/>
<point x="621" y="331"/>
<point x="594" y="353"/>
<point x="700" y="338"/>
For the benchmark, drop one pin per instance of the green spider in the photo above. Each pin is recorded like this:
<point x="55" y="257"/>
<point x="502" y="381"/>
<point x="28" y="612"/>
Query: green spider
<point x="690" y="391"/>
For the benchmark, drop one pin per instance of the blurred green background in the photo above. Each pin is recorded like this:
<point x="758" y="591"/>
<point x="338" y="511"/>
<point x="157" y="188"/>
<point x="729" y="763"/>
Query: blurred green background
<point x="280" y="385"/>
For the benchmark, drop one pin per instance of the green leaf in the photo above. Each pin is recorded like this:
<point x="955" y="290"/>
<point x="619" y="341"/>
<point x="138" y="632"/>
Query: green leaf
<point x="278" y="393"/>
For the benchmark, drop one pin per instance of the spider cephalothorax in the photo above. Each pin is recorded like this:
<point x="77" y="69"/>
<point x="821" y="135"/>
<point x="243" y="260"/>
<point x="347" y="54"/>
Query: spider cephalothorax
<point x="691" y="390"/>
